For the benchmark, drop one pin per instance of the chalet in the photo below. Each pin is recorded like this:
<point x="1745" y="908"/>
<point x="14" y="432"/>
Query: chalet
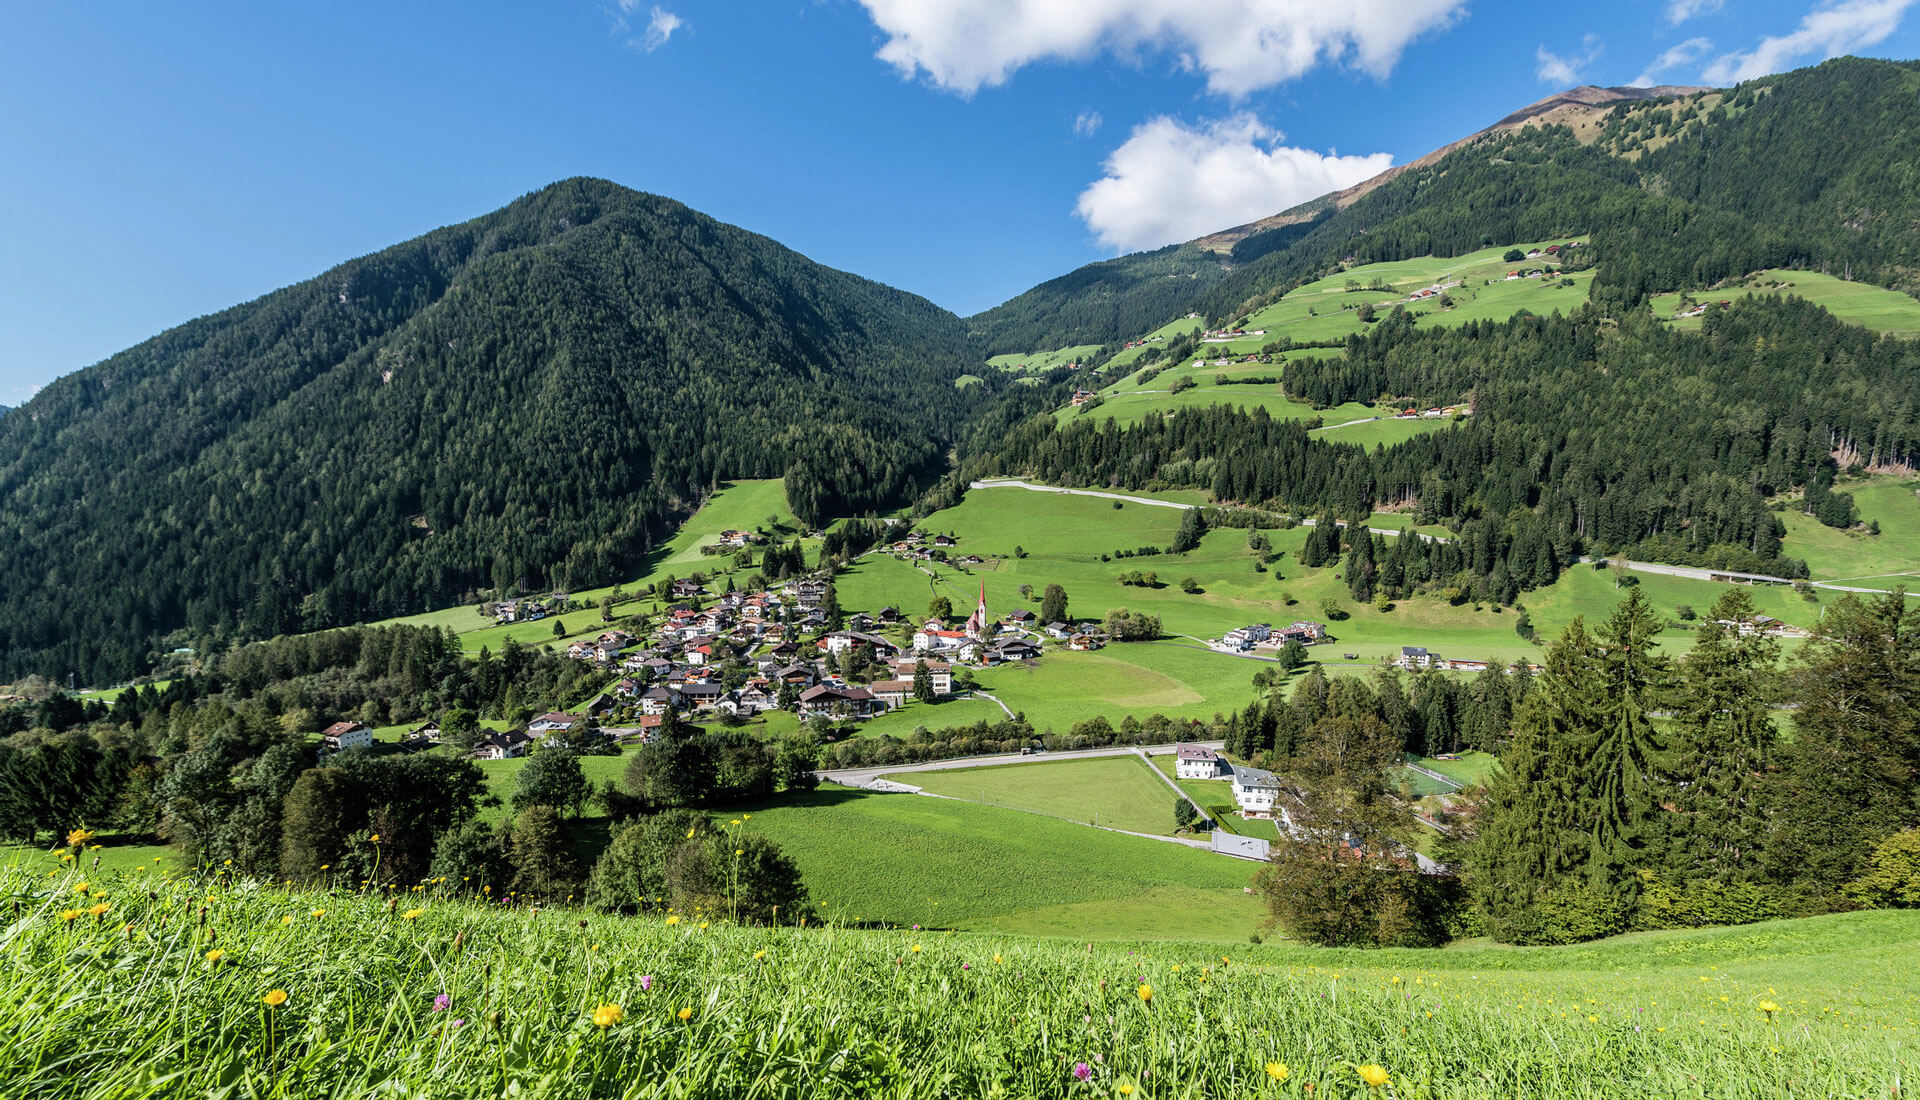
<point x="1082" y="643"/>
<point x="506" y="611"/>
<point x="826" y="699"/>
<point x="1255" y="790"/>
<point x="629" y="688"/>
<point x="1081" y="397"/>
<point x="1198" y="762"/>
<point x="502" y="746"/>
<point x="428" y="734"/>
<point x="703" y="696"/>
<point x="785" y="651"/>
<point x="889" y="615"/>
<point x="808" y="595"/>
<point x="945" y="540"/>
<point x="754" y="698"/>
<point x="798" y="675"/>
<point x="555" y="722"/>
<point x="1417" y="657"/>
<point x="1015" y="649"/>
<point x="656" y="700"/>
<point x="688" y="590"/>
<point x="1019" y="618"/>
<point x="939" y="671"/>
<point x="342" y="736"/>
<point x="1060" y="631"/>
<point x="892" y="694"/>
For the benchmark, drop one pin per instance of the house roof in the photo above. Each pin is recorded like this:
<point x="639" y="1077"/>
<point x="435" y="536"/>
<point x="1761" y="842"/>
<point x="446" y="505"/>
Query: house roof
<point x="1255" y="778"/>
<point x="339" y="729"/>
<point x="1194" y="752"/>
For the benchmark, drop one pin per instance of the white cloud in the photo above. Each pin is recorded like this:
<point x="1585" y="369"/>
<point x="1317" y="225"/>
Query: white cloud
<point x="1088" y="124"/>
<point x="1172" y="182"/>
<point x="1241" y="45"/>
<point x="1693" y="49"/>
<point x="1554" y="68"/>
<point x="1679" y="11"/>
<point x="660" y="26"/>
<point x="1828" y="31"/>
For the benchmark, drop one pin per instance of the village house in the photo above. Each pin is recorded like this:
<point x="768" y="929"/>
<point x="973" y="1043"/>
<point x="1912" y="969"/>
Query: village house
<point x="1414" y="657"/>
<point x="428" y="734"/>
<point x="342" y="736"/>
<point x="892" y="694"/>
<point x="940" y="672"/>
<point x="1255" y="790"/>
<point x="1014" y="649"/>
<point x="1198" y="762"/>
<point x="841" y="641"/>
<point x="809" y="595"/>
<point x="830" y="699"/>
<point x="935" y="638"/>
<point x="1246" y="637"/>
<point x="555" y="722"/>
<point x="1306" y="633"/>
<point x="502" y="746"/>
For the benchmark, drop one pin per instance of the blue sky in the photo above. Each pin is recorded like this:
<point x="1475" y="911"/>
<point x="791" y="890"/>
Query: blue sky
<point x="165" y="161"/>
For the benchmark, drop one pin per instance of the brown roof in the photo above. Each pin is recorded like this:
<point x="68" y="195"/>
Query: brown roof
<point x="340" y="729"/>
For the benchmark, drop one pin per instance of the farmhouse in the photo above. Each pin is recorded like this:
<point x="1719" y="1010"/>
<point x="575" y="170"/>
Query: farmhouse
<point x="502" y="746"/>
<point x="1246" y="637"/>
<point x="831" y="699"/>
<point x="342" y="736"/>
<point x="1198" y="762"/>
<point x="1304" y="632"/>
<point x="554" y="721"/>
<point x="892" y="694"/>
<point x="1417" y="657"/>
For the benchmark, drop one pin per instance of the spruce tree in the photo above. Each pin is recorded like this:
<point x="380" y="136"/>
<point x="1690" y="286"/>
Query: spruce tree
<point x="1622" y="746"/>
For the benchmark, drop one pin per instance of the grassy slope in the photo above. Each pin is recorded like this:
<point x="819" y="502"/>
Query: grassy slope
<point x="1042" y="360"/>
<point x="1119" y="792"/>
<point x="1837" y="555"/>
<point x="905" y="859"/>
<point x="827" y="1012"/>
<point x="1874" y="307"/>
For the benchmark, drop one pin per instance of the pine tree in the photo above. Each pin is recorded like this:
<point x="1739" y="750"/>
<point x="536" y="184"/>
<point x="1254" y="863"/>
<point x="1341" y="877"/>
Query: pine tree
<point x="1623" y="745"/>
<point x="1720" y="745"/>
<point x="922" y="682"/>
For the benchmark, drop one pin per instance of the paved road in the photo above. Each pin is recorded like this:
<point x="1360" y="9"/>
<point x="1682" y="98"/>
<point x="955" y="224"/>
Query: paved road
<point x="868" y="777"/>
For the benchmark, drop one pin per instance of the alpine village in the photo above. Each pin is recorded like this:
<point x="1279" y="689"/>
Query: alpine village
<point x="1449" y="638"/>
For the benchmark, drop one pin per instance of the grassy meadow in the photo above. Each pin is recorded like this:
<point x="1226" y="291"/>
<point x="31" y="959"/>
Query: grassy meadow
<point x="1874" y="307"/>
<point x="228" y="988"/>
<point x="1115" y="792"/>
<point x="1847" y="556"/>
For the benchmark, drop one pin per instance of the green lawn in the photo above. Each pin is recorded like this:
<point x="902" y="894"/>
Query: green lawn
<point x="1120" y="792"/>
<point x="1864" y="304"/>
<point x="1212" y="795"/>
<point x="1471" y="768"/>
<point x="939" y="715"/>
<point x="907" y="859"/>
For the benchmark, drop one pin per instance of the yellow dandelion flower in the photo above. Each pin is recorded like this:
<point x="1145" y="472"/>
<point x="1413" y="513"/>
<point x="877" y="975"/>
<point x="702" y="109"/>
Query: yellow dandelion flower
<point x="996" y="958"/>
<point x="66" y="857"/>
<point x="916" y="949"/>
<point x="1593" y="1019"/>
<point x="1768" y="1007"/>
<point x="1146" y="992"/>
<point x="375" y="838"/>
<point x="274" y="998"/>
<point x="685" y="1014"/>
<point x="608" y="1015"/>
<point x="1373" y="1075"/>
<point x="79" y="836"/>
<point x="68" y="915"/>
<point x="703" y="924"/>
<point x="288" y="919"/>
<point x="98" y="908"/>
<point x="1125" y="1089"/>
<point x="690" y="832"/>
<point x="412" y="914"/>
<point x="760" y="954"/>
<point x="673" y="918"/>
<point x="215" y="955"/>
<point x="316" y="912"/>
<point x="82" y="887"/>
<point x="1277" y="1070"/>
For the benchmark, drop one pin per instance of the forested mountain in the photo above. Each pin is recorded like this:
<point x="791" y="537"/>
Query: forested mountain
<point x="1101" y="302"/>
<point x="530" y="398"/>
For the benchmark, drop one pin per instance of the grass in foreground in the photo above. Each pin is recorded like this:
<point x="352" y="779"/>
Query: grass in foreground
<point x="235" y="989"/>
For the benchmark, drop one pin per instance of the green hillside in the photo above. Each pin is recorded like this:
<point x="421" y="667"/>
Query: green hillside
<point x="341" y="994"/>
<point x="1877" y="308"/>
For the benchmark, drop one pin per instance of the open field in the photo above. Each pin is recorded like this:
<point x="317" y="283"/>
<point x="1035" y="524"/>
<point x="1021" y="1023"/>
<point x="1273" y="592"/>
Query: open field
<point x="906" y="859"/>
<point x="1842" y="555"/>
<point x="1470" y="769"/>
<point x="1863" y="304"/>
<point x="939" y="715"/>
<point x="835" y="1012"/>
<point x="1119" y="792"/>
<point x="1042" y="360"/>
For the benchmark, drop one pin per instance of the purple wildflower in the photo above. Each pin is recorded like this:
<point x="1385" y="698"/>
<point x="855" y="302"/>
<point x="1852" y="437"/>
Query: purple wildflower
<point x="1082" y="1070"/>
<point x="441" y="1002"/>
<point x="459" y="1023"/>
<point x="646" y="982"/>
